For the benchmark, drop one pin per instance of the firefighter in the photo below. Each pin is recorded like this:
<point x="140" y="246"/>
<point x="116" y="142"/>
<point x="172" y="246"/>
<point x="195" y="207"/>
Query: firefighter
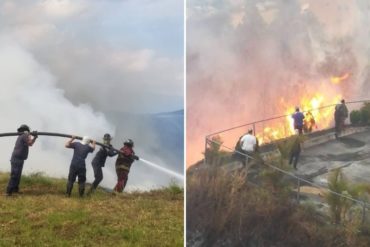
<point x="99" y="161"/>
<point x="19" y="155"/>
<point x="309" y="122"/>
<point x="340" y="116"/>
<point x="298" y="120"/>
<point x="78" y="164"/>
<point x="123" y="164"/>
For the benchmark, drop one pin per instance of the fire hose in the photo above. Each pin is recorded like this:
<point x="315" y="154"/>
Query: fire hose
<point x="172" y="173"/>
<point x="57" y="135"/>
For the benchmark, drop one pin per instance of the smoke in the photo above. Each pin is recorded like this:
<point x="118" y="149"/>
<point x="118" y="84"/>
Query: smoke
<point x="88" y="68"/>
<point x="105" y="49"/>
<point x="245" y="57"/>
<point x="29" y="95"/>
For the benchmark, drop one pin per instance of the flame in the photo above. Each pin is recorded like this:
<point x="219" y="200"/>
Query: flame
<point x="337" y="80"/>
<point x="315" y="117"/>
<point x="316" y="103"/>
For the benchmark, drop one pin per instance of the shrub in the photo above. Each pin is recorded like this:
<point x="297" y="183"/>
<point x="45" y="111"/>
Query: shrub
<point x="339" y="206"/>
<point x="365" y="113"/>
<point x="355" y="117"/>
<point x="174" y="189"/>
<point x="227" y="211"/>
<point x="213" y="151"/>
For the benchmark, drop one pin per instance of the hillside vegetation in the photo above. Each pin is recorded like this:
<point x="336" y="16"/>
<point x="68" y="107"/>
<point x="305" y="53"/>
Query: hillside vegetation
<point x="43" y="216"/>
<point x="224" y="209"/>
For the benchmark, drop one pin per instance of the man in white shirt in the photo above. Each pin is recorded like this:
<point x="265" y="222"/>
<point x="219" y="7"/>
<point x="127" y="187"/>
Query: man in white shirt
<point x="248" y="145"/>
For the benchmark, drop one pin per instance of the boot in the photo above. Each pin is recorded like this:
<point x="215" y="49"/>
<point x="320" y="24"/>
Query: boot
<point x="69" y="189"/>
<point x="81" y="189"/>
<point x="91" y="190"/>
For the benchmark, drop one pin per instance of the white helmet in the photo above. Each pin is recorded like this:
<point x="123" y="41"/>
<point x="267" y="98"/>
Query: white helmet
<point x="86" y="140"/>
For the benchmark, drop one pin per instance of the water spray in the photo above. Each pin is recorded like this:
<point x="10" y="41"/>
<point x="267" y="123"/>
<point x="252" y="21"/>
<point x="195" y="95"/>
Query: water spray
<point x="172" y="173"/>
<point x="165" y="170"/>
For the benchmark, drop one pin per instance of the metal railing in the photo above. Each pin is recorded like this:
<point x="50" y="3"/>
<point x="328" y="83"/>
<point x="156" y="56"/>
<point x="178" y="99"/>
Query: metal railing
<point x="241" y="130"/>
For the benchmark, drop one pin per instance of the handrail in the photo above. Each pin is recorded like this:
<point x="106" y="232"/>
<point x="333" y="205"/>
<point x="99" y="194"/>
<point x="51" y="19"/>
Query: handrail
<point x="294" y="176"/>
<point x="207" y="139"/>
<point x="282" y="116"/>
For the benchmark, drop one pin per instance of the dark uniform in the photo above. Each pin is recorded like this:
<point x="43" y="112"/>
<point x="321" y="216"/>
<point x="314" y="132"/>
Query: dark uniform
<point x="19" y="155"/>
<point x="78" y="166"/>
<point x="99" y="162"/>
<point x="123" y="165"/>
<point x="340" y="115"/>
<point x="295" y="152"/>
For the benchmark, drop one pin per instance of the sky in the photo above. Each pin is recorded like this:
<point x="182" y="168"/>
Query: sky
<point x="82" y="67"/>
<point x="245" y="57"/>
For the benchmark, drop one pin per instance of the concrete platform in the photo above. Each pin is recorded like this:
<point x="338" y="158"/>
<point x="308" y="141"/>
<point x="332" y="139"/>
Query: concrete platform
<point x="352" y="152"/>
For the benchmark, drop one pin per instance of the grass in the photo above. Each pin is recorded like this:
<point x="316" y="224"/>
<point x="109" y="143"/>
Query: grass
<point x="43" y="216"/>
<point x="223" y="209"/>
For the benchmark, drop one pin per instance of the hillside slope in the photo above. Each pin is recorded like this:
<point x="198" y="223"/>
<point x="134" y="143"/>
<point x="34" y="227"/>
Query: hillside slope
<point x="224" y="209"/>
<point x="43" y="216"/>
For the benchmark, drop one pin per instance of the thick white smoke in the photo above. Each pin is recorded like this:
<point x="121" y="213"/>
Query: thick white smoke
<point x="29" y="95"/>
<point x="78" y="67"/>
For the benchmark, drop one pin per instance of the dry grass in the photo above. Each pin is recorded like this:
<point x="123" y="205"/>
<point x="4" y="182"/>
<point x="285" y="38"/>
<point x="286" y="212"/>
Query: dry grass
<point x="223" y="209"/>
<point x="43" y="216"/>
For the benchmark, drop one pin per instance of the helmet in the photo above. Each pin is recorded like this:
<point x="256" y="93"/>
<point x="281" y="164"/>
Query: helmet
<point x="107" y="137"/>
<point x="129" y="143"/>
<point x="86" y="140"/>
<point x="23" y="128"/>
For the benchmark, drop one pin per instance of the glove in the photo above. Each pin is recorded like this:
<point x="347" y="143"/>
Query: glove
<point x="136" y="157"/>
<point x="34" y="134"/>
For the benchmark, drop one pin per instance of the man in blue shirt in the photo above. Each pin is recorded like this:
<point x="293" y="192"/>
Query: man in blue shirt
<point x="298" y="120"/>
<point x="78" y="164"/>
<point x="19" y="155"/>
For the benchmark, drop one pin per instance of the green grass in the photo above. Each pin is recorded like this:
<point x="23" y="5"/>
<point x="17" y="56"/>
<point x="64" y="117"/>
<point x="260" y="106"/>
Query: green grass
<point x="43" y="216"/>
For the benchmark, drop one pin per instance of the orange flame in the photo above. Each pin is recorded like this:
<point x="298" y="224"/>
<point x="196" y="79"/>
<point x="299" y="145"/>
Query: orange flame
<point x="314" y="118"/>
<point x="337" y="80"/>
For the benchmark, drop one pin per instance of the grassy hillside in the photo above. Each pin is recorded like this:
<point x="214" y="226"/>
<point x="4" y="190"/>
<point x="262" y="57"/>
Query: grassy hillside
<point x="43" y="216"/>
<point x="224" y="209"/>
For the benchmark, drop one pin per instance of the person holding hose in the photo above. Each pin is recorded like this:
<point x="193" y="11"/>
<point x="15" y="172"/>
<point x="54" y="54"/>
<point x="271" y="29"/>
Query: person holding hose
<point x="78" y="164"/>
<point x="123" y="164"/>
<point x="99" y="161"/>
<point x="19" y="155"/>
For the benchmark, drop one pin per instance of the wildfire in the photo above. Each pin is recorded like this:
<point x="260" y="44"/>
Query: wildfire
<point x="315" y="117"/>
<point x="337" y="80"/>
<point x="316" y="101"/>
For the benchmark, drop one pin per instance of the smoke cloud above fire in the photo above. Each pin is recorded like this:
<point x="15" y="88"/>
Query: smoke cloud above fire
<point x="249" y="60"/>
<point x="89" y="68"/>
